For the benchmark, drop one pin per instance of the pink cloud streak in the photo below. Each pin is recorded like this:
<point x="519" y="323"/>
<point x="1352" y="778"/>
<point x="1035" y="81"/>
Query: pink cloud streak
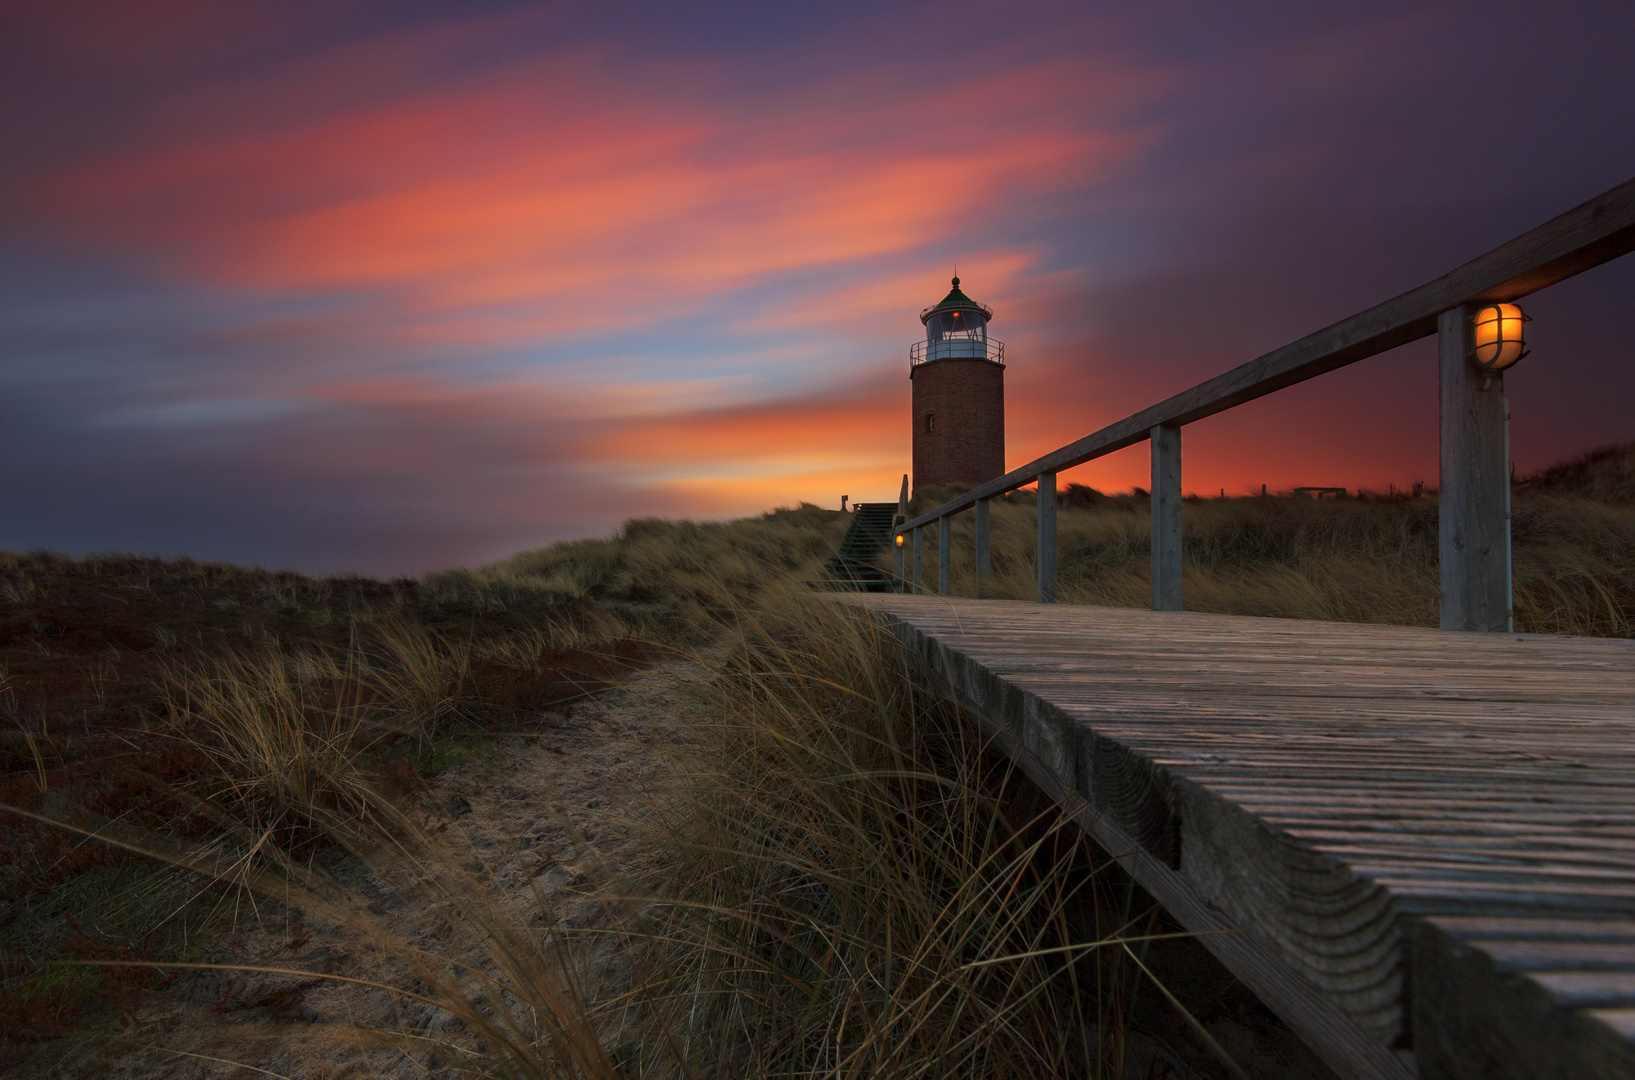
<point x="559" y="203"/>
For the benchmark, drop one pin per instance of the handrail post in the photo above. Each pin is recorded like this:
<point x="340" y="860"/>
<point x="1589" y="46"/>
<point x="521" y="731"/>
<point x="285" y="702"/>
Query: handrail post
<point x="1047" y="538"/>
<point x="919" y="560"/>
<point x="1166" y="518"/>
<point x="1475" y="481"/>
<point x="945" y="555"/>
<point x="982" y="557"/>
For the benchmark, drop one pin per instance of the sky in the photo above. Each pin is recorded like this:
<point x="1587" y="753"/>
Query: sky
<point x="395" y="287"/>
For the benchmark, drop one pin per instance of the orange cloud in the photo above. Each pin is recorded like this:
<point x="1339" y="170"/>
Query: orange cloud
<point x="722" y="497"/>
<point x="867" y="426"/>
<point x="581" y="195"/>
<point x="565" y="204"/>
<point x="710" y="461"/>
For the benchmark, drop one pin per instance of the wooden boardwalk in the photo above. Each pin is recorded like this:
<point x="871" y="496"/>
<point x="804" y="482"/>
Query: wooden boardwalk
<point x="1422" y="841"/>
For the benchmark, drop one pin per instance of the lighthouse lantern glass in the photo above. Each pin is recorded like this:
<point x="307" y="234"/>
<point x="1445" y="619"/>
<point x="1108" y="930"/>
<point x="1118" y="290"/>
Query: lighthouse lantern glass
<point x="965" y="324"/>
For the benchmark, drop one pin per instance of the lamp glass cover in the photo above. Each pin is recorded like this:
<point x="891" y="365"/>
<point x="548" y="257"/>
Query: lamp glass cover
<point x="1500" y="337"/>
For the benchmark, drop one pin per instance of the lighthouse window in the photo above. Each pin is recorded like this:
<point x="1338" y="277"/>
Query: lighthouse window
<point x="930" y="422"/>
<point x="956" y="324"/>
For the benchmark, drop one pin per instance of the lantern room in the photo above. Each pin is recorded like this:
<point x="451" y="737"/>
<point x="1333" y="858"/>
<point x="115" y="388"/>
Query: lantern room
<point x="956" y="327"/>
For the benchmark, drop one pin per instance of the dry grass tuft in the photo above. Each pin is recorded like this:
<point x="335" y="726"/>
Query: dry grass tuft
<point x="852" y="887"/>
<point x="1363" y="559"/>
<point x="852" y="884"/>
<point x="848" y="883"/>
<point x="259" y="718"/>
<point x="673" y="580"/>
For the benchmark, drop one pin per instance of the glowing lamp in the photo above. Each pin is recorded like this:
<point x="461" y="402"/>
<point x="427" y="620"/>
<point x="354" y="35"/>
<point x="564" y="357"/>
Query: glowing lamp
<point x="899" y="539"/>
<point x="1500" y="336"/>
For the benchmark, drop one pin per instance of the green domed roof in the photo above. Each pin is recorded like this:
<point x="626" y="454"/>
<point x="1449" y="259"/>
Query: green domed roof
<point x="957" y="301"/>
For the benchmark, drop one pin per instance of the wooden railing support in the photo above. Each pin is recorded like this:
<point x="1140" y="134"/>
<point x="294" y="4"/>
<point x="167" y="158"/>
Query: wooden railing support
<point x="1475" y="481"/>
<point x="982" y="545"/>
<point x="919" y="560"/>
<point x="1047" y="538"/>
<point x="945" y="554"/>
<point x="1166" y="518"/>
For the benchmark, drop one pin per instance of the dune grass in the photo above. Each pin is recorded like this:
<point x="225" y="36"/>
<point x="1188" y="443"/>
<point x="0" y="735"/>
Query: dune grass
<point x="670" y="580"/>
<point x="1369" y="558"/>
<point x="849" y="884"/>
<point x="852" y="888"/>
<point x="845" y="885"/>
<point x="845" y="881"/>
<point x="252" y="717"/>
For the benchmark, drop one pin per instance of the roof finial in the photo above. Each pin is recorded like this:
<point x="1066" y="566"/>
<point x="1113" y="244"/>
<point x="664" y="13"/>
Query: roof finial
<point x="956" y="275"/>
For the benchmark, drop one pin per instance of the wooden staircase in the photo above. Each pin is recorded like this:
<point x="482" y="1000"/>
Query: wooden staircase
<point x="855" y="567"/>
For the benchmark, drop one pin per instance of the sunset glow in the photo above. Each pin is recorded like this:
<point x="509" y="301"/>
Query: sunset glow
<point x="352" y="287"/>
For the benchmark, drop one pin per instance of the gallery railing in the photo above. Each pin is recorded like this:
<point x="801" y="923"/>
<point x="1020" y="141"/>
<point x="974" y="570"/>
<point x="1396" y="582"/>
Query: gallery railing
<point x="923" y="352"/>
<point x="1474" y="482"/>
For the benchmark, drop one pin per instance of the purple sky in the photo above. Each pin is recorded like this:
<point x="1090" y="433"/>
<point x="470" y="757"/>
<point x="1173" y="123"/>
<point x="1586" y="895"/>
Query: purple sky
<point x="396" y="287"/>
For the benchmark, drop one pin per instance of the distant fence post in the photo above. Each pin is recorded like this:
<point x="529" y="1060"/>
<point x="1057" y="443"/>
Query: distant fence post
<point x="1047" y="538"/>
<point x="945" y="555"/>
<point x="1475" y="478"/>
<point x="982" y="557"/>
<point x="919" y="559"/>
<point x="1166" y="518"/>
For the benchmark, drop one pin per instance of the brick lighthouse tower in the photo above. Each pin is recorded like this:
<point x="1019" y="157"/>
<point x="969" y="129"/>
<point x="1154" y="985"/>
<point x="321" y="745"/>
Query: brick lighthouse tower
<point x="959" y="395"/>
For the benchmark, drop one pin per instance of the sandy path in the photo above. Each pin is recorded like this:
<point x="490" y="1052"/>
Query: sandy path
<point x="541" y="817"/>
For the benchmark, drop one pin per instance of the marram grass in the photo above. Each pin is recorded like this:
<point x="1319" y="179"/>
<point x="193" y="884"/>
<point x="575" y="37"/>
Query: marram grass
<point x="850" y="886"/>
<point x="847" y="883"/>
<point x="1363" y="559"/>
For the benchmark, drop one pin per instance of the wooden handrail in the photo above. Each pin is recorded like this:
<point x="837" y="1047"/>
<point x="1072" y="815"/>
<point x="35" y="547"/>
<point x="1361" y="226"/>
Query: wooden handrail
<point x="1586" y="236"/>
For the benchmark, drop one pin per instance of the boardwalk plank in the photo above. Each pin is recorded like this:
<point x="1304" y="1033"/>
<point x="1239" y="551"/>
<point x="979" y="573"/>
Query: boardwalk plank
<point x="1421" y="838"/>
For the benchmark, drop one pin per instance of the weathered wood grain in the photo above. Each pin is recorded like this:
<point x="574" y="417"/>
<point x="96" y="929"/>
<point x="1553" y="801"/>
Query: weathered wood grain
<point x="1047" y="538"/>
<point x="1284" y="989"/>
<point x="983" y="553"/>
<point x="919" y="559"/>
<point x="1473" y="1019"/>
<point x="945" y="555"/>
<point x="1472" y="504"/>
<point x="1166" y="518"/>
<point x="1434" y="831"/>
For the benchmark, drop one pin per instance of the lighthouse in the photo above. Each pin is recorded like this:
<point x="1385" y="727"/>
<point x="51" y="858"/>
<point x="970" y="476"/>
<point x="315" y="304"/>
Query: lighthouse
<point x="958" y="374"/>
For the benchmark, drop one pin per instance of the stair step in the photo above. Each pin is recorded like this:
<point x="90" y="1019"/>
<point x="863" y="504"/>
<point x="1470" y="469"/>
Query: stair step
<point x="868" y="535"/>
